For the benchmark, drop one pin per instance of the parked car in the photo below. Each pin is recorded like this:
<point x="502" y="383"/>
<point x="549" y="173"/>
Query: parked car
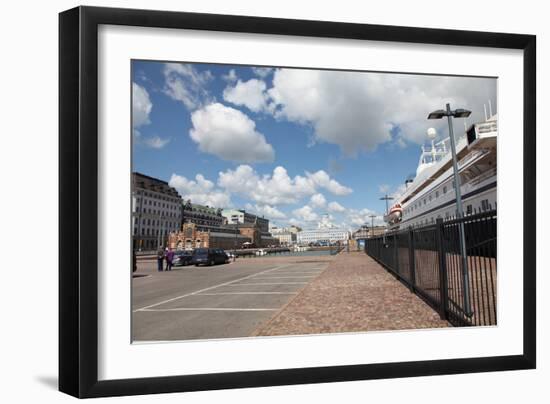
<point x="182" y="258"/>
<point x="209" y="256"/>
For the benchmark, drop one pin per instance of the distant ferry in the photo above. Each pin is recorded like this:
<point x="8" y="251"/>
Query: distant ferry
<point x="431" y="194"/>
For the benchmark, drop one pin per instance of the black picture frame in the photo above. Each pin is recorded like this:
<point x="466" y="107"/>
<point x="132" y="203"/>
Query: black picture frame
<point x="78" y="200"/>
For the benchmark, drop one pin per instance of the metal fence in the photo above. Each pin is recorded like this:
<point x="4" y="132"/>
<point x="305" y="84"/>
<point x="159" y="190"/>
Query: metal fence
<point x="428" y="261"/>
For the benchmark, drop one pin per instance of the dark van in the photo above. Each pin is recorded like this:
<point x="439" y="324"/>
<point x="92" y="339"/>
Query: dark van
<point x="209" y="256"/>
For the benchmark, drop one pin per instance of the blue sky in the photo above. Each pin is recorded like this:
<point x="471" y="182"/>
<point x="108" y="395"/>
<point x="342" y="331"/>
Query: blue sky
<point x="289" y="144"/>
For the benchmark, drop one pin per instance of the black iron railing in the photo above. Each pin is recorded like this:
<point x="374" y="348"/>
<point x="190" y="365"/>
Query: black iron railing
<point x="427" y="259"/>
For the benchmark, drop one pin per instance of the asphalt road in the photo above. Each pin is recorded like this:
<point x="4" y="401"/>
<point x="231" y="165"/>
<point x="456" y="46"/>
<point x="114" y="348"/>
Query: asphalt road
<point x="223" y="301"/>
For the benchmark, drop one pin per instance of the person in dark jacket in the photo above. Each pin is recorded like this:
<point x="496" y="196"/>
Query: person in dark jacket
<point x="160" y="258"/>
<point x="169" y="255"/>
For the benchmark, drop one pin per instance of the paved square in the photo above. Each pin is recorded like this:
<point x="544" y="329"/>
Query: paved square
<point x="223" y="301"/>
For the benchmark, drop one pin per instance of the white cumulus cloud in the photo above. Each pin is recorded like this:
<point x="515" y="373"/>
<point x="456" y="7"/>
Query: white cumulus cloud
<point x="323" y="180"/>
<point x="359" y="111"/>
<point x="141" y="106"/>
<point x="155" y="142"/>
<point x="336" y="207"/>
<point x="200" y="190"/>
<point x="267" y="211"/>
<point x="262" y="72"/>
<point x="250" y="93"/>
<point x="229" y="134"/>
<point x="318" y="201"/>
<point x="230" y="77"/>
<point x="277" y="188"/>
<point x="306" y="214"/>
<point x="184" y="83"/>
<point x="362" y="216"/>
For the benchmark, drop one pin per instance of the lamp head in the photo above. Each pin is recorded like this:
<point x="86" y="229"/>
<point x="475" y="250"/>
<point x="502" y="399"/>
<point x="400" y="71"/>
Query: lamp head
<point x="437" y="114"/>
<point x="432" y="133"/>
<point x="461" y="113"/>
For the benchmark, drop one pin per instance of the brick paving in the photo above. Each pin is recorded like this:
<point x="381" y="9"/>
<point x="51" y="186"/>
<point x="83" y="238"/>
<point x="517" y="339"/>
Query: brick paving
<point x="353" y="294"/>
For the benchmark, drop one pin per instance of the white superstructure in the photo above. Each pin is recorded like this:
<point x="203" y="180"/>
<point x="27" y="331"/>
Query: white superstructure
<point x="431" y="194"/>
<point x="326" y="232"/>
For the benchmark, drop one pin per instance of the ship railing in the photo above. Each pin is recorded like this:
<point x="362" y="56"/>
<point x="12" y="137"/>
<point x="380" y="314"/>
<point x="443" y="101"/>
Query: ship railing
<point x="428" y="261"/>
<point x="486" y="127"/>
<point x="480" y="178"/>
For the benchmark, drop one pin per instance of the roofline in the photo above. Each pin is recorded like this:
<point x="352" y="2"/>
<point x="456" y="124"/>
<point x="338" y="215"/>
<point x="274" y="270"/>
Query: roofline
<point x="151" y="178"/>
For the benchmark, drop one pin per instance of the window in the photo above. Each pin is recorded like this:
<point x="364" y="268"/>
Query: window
<point x="485" y="204"/>
<point x="469" y="209"/>
<point x="445" y="189"/>
<point x="430" y="198"/>
<point x="437" y="194"/>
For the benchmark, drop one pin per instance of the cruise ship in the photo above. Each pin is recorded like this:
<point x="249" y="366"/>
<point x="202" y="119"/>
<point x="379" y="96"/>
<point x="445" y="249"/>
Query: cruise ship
<point x="431" y="195"/>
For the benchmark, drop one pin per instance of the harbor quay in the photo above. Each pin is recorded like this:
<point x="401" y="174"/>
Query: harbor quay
<point x="274" y="295"/>
<point x="353" y="294"/>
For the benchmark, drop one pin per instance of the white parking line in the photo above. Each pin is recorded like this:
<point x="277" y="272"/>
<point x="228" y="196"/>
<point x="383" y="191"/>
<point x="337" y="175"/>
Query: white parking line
<point x="207" y="309"/>
<point x="247" y="293"/>
<point x="285" y="277"/>
<point x="296" y="273"/>
<point x="274" y="283"/>
<point x="210" y="288"/>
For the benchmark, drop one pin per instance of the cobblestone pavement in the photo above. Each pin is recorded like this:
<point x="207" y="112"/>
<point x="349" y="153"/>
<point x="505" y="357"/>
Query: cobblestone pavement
<point x="353" y="294"/>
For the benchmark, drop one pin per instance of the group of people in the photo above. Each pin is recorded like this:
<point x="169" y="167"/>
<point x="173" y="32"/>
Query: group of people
<point x="165" y="255"/>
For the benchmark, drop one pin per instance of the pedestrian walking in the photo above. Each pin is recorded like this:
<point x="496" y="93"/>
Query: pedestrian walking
<point x="160" y="258"/>
<point x="169" y="255"/>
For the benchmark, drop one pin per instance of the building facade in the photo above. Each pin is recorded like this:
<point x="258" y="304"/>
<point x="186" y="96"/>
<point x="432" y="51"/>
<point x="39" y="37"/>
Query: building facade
<point x="286" y="235"/>
<point x="193" y="236"/>
<point x="156" y="212"/>
<point x="240" y="216"/>
<point x="257" y="236"/>
<point x="361" y="233"/>
<point x="323" y="235"/>
<point x="201" y="215"/>
<point x="286" y="239"/>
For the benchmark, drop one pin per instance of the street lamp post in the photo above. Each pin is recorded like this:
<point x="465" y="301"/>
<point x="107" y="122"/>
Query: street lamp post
<point x="450" y="114"/>
<point x="386" y="198"/>
<point x="372" y="224"/>
<point x="160" y="240"/>
<point x="235" y="243"/>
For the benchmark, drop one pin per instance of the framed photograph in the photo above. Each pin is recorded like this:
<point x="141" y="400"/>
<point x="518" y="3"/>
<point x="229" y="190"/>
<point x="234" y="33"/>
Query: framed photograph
<point x="250" y="201"/>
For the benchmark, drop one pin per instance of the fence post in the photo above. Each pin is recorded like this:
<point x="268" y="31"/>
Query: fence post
<point x="443" y="292"/>
<point x="396" y="255"/>
<point x="412" y="270"/>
